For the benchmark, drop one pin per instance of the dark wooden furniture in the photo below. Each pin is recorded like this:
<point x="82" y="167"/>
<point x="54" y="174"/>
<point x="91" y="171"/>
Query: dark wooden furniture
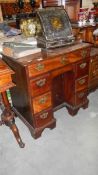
<point x="11" y="8"/>
<point x="47" y="81"/>
<point x="8" y="115"/>
<point x="84" y="33"/>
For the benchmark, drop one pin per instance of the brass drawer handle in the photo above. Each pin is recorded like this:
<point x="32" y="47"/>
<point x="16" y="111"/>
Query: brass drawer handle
<point x="81" y="95"/>
<point x="82" y="81"/>
<point x="44" y="115"/>
<point x="63" y="60"/>
<point x="41" y="82"/>
<point x="40" y="66"/>
<point x="84" y="53"/>
<point x="43" y="100"/>
<point x="83" y="65"/>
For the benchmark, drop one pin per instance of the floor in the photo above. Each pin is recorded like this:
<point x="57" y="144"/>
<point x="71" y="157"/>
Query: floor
<point x="69" y="149"/>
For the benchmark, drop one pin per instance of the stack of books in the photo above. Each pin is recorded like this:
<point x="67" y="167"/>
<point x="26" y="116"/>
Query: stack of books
<point x="17" y="50"/>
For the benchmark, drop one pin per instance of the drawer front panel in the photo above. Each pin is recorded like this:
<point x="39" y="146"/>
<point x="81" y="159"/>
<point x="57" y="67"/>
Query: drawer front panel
<point x="94" y="70"/>
<point x="81" y="83"/>
<point x="47" y="65"/>
<point x="40" y="85"/>
<point x="5" y="79"/>
<point x="42" y="102"/>
<point x="82" y="68"/>
<point x="78" y="98"/>
<point x="83" y="53"/>
<point x="44" y="118"/>
<point x="81" y="97"/>
<point x="96" y="58"/>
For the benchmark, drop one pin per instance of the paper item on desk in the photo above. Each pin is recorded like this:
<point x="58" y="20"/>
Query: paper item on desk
<point x="26" y="52"/>
<point x="1" y="34"/>
<point x="29" y="40"/>
<point x="18" y="45"/>
<point x="13" y="32"/>
<point x="20" y="39"/>
<point x="18" y="54"/>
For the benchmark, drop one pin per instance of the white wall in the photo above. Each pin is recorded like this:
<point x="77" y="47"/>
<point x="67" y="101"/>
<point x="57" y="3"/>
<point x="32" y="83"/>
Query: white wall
<point x="87" y="3"/>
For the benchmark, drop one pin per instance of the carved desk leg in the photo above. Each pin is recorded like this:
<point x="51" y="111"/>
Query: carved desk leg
<point x="7" y="118"/>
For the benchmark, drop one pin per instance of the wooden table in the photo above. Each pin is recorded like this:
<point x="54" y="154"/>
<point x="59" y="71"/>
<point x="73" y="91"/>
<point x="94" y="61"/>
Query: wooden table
<point x="8" y="116"/>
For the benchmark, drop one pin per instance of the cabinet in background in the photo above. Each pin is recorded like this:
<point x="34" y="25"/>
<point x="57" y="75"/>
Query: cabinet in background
<point x="84" y="33"/>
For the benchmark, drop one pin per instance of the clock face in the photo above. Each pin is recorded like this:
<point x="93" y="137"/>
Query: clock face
<point x="56" y="23"/>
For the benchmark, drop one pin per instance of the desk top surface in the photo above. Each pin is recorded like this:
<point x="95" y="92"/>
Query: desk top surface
<point x="49" y="54"/>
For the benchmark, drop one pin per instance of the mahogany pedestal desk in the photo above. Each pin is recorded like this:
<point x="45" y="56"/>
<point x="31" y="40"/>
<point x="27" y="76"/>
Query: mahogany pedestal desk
<point x="7" y="116"/>
<point x="47" y="81"/>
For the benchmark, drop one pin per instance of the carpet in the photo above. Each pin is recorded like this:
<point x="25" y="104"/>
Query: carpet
<point x="71" y="148"/>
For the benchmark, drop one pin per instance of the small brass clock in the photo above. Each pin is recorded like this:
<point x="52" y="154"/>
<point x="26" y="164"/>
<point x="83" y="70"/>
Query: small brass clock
<point x="30" y="27"/>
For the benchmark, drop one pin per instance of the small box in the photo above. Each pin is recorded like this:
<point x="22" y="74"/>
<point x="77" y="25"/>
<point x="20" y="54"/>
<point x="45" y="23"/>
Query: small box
<point x="56" y="28"/>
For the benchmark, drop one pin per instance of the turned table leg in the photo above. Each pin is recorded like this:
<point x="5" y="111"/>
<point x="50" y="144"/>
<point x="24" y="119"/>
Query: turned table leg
<point x="8" y="118"/>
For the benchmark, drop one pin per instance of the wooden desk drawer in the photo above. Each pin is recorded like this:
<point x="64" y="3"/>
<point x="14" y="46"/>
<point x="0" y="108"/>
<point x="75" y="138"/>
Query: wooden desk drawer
<point x="83" y="53"/>
<point x="81" y="96"/>
<point x="41" y="102"/>
<point x="47" y="65"/>
<point x="81" y="68"/>
<point x="95" y="58"/>
<point x="77" y="98"/>
<point x="5" y="79"/>
<point x="94" y="69"/>
<point x="43" y="118"/>
<point x="40" y="85"/>
<point x="81" y="83"/>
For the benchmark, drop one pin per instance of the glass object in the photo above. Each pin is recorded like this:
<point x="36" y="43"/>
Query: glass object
<point x="80" y="19"/>
<point x="92" y="17"/>
<point x="9" y="96"/>
<point x="83" y="16"/>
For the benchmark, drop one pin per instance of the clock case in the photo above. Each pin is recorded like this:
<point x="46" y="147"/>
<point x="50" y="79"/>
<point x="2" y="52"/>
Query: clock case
<point x="56" y="28"/>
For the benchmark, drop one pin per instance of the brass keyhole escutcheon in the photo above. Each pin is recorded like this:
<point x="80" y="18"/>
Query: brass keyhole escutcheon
<point x="84" y="53"/>
<point x="39" y="66"/>
<point x="43" y="100"/>
<point x="63" y="60"/>
<point x="41" y="82"/>
<point x="83" y="65"/>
